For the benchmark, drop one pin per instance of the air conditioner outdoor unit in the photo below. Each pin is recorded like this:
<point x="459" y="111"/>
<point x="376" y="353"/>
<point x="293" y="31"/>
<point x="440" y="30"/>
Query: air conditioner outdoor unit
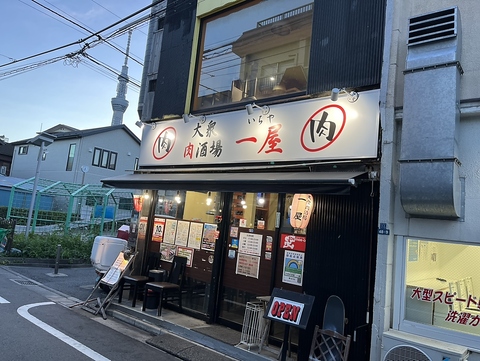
<point x="401" y="346"/>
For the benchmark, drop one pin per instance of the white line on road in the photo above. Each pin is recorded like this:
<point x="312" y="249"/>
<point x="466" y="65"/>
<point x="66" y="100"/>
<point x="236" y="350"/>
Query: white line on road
<point x="23" y="311"/>
<point x="3" y="300"/>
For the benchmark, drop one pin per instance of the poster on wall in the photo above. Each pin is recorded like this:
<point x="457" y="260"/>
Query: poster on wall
<point x="293" y="242"/>
<point x="234" y="232"/>
<point x="181" y="238"/>
<point x="293" y="267"/>
<point x="247" y="265"/>
<point x="167" y="252"/>
<point x="170" y="231"/>
<point x="142" y="228"/>
<point x="210" y="234"/>
<point x="187" y="253"/>
<point x="195" y="235"/>
<point x="250" y="243"/>
<point x="158" y="228"/>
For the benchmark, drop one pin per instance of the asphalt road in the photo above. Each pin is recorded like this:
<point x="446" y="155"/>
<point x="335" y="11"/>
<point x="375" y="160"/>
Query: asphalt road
<point x="36" y="323"/>
<point x="77" y="282"/>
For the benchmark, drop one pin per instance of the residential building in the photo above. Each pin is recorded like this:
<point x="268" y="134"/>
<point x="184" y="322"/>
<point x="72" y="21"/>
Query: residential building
<point x="79" y="156"/>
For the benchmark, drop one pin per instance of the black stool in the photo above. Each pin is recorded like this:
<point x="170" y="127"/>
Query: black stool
<point x="138" y="283"/>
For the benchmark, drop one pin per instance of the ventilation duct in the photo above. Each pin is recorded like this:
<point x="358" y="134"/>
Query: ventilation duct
<point x="429" y="182"/>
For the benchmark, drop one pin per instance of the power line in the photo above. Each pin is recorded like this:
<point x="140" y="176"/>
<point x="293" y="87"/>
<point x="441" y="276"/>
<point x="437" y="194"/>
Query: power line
<point x="111" y="12"/>
<point x="97" y="34"/>
<point x="87" y="30"/>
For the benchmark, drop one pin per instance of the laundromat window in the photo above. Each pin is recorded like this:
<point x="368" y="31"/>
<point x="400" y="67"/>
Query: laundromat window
<point x="254" y="210"/>
<point x="442" y="285"/>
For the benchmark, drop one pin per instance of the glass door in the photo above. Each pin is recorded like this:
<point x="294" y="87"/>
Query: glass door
<point x="248" y="259"/>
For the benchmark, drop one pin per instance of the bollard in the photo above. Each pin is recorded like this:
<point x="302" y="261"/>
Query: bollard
<point x="57" y="260"/>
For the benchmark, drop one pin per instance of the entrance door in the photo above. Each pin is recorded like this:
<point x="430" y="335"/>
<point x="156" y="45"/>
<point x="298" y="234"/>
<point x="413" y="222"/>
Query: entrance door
<point x="249" y="255"/>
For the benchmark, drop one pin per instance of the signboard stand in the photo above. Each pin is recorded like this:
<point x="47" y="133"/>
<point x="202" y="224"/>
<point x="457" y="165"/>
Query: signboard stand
<point x="290" y="308"/>
<point x="110" y="279"/>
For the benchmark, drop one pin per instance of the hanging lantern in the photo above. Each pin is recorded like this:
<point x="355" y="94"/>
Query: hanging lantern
<point x="137" y="203"/>
<point x="302" y="207"/>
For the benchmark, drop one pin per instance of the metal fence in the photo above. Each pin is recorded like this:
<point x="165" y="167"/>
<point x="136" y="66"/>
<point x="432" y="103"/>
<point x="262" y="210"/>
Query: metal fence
<point x="60" y="206"/>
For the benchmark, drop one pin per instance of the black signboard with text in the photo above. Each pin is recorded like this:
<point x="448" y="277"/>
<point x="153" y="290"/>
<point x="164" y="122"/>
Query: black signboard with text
<point x="289" y="307"/>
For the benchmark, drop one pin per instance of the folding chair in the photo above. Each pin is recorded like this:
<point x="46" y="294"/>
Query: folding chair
<point x="328" y="345"/>
<point x="110" y="279"/>
<point x="174" y="284"/>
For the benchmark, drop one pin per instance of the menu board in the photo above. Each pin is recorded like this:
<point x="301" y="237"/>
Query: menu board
<point x="250" y="243"/>
<point x="195" y="235"/>
<point x="247" y="265"/>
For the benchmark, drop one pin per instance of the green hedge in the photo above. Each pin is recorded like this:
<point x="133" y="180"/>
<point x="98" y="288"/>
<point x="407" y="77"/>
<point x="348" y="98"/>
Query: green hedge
<point x="74" y="246"/>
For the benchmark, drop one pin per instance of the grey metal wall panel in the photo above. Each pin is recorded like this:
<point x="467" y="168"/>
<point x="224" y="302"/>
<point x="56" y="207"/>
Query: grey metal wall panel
<point x="429" y="183"/>
<point x="174" y="66"/>
<point x="347" y="44"/>
<point x="343" y="226"/>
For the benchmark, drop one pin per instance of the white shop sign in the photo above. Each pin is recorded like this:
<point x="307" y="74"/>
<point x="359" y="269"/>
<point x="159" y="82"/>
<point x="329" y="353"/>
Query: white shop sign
<point x="315" y="129"/>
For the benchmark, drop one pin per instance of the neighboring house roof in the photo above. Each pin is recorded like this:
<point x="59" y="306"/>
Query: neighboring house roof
<point x="60" y="128"/>
<point x="60" y="132"/>
<point x="6" y="149"/>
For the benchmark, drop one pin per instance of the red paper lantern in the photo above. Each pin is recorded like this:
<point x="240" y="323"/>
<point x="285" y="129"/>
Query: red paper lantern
<point x="137" y="203"/>
<point x="302" y="207"/>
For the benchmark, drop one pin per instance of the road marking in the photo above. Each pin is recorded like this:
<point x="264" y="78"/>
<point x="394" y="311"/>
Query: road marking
<point x="23" y="311"/>
<point x="3" y="300"/>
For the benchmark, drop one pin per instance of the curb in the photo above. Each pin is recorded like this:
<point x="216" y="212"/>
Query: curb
<point x="42" y="262"/>
<point x="195" y="338"/>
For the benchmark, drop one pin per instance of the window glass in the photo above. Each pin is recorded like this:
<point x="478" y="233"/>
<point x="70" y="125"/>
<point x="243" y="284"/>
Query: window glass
<point x="104" y="159"/>
<point x="254" y="210"/>
<point x="152" y="85"/>
<point x="189" y="205"/>
<point x="113" y="160"/>
<point x="71" y="156"/>
<point x="23" y="149"/>
<point x="96" y="157"/>
<point x="255" y="52"/>
<point x="442" y="285"/>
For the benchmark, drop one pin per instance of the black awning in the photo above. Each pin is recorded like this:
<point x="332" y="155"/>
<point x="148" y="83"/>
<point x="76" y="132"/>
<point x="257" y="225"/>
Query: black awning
<point x="279" y="182"/>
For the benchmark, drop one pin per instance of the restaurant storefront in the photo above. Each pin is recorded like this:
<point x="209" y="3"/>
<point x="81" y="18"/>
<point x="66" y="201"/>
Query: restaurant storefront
<point x="219" y="190"/>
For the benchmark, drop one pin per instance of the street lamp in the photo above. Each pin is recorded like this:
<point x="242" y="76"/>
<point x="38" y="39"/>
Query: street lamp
<point x="42" y="140"/>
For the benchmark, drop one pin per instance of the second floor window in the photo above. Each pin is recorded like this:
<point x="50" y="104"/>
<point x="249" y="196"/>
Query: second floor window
<point x="254" y="52"/>
<point x="23" y="149"/>
<point x="104" y="158"/>
<point x="71" y="156"/>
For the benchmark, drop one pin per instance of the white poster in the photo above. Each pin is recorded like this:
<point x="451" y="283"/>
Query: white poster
<point x="181" y="238"/>
<point x="250" y="243"/>
<point x="247" y="265"/>
<point x="195" y="235"/>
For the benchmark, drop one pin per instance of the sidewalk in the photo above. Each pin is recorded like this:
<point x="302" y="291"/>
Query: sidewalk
<point x="185" y="337"/>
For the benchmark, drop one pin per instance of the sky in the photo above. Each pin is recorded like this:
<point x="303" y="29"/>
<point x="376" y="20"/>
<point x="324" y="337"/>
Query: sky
<point x="75" y="93"/>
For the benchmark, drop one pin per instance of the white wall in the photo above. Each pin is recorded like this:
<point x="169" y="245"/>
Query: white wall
<point x="54" y="166"/>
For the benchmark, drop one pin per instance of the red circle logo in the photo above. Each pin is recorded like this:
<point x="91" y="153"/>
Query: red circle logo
<point x="323" y="128"/>
<point x="164" y="143"/>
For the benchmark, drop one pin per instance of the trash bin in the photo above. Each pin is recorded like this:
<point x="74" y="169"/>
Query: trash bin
<point x="153" y="299"/>
<point x="156" y="275"/>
